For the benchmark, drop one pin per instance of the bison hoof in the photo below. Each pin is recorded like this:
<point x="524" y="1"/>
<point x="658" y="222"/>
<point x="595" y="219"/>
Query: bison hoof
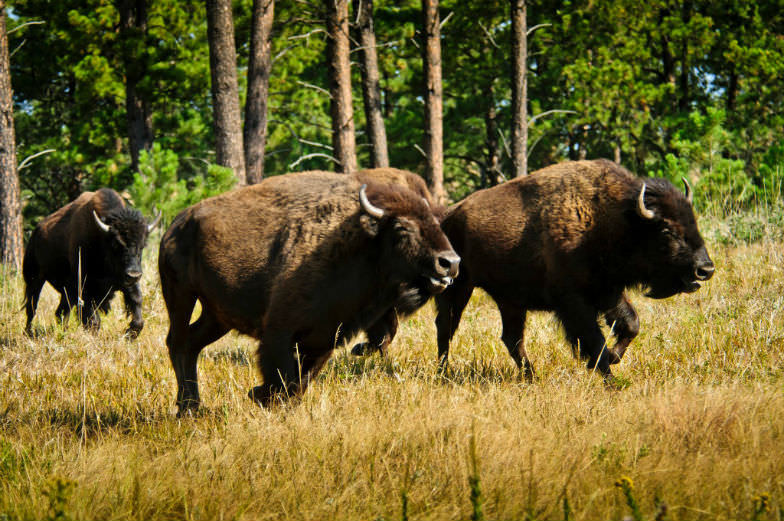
<point x="364" y="349"/>
<point x="132" y="333"/>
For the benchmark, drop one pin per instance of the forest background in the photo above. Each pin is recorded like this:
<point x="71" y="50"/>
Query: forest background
<point x="667" y="88"/>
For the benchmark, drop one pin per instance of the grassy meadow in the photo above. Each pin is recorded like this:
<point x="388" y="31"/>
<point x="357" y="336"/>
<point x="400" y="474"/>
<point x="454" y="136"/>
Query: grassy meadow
<point x="695" y="432"/>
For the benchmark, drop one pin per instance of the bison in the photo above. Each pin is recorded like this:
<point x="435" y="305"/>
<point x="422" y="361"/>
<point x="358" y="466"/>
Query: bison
<point x="98" y="237"/>
<point x="300" y="262"/>
<point x="570" y="238"/>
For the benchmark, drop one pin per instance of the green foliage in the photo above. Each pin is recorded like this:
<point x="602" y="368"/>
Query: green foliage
<point x="157" y="185"/>
<point x="58" y="491"/>
<point x="687" y="90"/>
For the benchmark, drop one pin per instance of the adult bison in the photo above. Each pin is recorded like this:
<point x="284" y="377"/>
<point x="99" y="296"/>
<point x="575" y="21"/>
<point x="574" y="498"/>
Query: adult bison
<point x="300" y="262"/>
<point x="98" y="236"/>
<point x="571" y="238"/>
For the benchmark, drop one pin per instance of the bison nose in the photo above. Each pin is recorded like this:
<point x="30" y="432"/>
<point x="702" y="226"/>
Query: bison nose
<point x="133" y="274"/>
<point x="447" y="264"/>
<point x="704" y="271"/>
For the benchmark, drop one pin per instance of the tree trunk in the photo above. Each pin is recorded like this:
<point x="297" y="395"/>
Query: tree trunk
<point x="343" y="139"/>
<point x="133" y="29"/>
<point x="491" y="138"/>
<point x="434" y="132"/>
<point x="259" y="66"/>
<point x="10" y="205"/>
<point x="519" y="89"/>
<point x="225" y="93"/>
<point x="371" y="91"/>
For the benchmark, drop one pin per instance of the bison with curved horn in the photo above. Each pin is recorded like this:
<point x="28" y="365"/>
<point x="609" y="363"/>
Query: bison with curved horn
<point x="98" y="237"/>
<point x="301" y="262"/>
<point x="570" y="238"/>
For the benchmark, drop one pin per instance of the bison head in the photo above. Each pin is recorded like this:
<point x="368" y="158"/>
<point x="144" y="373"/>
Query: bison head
<point x="414" y="249"/>
<point x="676" y="258"/>
<point x="124" y="233"/>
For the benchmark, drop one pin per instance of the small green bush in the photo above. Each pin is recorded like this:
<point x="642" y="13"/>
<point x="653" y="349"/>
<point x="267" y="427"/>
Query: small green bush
<point x="158" y="186"/>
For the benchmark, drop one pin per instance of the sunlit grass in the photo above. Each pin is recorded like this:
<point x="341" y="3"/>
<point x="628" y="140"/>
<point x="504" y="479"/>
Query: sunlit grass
<point x="88" y="426"/>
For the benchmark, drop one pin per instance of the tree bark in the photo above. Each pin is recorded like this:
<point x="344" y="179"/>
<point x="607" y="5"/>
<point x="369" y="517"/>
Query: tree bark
<point x="434" y="131"/>
<point x="342" y="111"/>
<point x="519" y="89"/>
<point x="491" y="138"/>
<point x="371" y="90"/>
<point x="133" y="29"/>
<point x="10" y="200"/>
<point x="259" y="66"/>
<point x="225" y="93"/>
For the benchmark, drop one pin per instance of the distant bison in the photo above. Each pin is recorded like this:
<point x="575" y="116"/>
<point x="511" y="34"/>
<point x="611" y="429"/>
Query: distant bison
<point x="380" y="334"/>
<point x="571" y="238"/>
<point x="98" y="236"/>
<point x="301" y="262"/>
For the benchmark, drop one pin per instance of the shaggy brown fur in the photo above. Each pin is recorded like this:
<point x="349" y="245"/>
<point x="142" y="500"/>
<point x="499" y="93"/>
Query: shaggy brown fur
<point x="295" y="261"/>
<point x="570" y="238"/>
<point x="110" y="260"/>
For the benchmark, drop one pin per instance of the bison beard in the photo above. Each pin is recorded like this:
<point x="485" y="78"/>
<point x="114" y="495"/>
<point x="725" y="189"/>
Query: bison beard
<point x="301" y="262"/>
<point x="571" y="238"/>
<point x="98" y="237"/>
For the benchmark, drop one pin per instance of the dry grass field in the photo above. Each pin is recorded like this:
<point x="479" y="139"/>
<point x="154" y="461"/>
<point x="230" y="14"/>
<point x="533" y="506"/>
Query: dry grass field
<point x="695" y="431"/>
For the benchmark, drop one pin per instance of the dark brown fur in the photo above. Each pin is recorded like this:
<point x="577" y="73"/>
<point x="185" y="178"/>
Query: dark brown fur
<point x="569" y="239"/>
<point x="107" y="258"/>
<point x="296" y="263"/>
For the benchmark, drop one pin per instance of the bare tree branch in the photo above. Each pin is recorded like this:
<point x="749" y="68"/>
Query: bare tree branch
<point x="311" y="156"/>
<point x="33" y="22"/>
<point x="26" y="161"/>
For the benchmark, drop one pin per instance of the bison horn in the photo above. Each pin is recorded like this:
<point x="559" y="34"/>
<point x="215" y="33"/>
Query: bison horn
<point x="155" y="221"/>
<point x="687" y="190"/>
<point x="641" y="209"/>
<point x="374" y="211"/>
<point x="102" y="225"/>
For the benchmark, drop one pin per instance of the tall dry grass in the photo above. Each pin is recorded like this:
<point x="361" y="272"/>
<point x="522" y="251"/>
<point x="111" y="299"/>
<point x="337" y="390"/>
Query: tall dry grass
<point x="88" y="431"/>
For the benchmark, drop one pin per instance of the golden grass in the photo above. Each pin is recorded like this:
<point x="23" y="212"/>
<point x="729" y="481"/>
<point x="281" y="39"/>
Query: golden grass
<point x="88" y="431"/>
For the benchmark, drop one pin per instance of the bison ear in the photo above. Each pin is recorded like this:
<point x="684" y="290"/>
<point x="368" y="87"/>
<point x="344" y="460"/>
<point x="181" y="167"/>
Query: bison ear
<point x="369" y="224"/>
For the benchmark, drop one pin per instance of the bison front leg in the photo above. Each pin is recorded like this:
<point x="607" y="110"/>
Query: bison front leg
<point x="379" y="335"/>
<point x="513" y="320"/>
<point x="625" y="325"/>
<point x="450" y="305"/>
<point x="585" y="335"/>
<point x="132" y="296"/>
